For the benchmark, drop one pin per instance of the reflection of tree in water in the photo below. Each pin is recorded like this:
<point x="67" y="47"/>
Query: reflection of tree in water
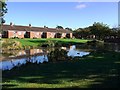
<point x="57" y="55"/>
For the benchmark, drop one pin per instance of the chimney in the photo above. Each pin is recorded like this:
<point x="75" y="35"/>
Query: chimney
<point x="45" y="27"/>
<point x="11" y="24"/>
<point x="29" y="25"/>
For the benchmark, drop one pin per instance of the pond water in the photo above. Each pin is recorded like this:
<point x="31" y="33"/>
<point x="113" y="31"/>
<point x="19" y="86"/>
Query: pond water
<point x="10" y="59"/>
<point x="18" y="58"/>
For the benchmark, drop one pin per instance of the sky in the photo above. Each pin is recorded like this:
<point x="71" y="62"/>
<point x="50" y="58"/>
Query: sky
<point x="67" y="14"/>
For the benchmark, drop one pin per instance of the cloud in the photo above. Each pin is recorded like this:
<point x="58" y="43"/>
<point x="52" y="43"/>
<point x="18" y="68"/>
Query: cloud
<point x="80" y="6"/>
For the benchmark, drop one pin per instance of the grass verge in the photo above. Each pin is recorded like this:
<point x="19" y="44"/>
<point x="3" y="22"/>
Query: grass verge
<point x="33" y="43"/>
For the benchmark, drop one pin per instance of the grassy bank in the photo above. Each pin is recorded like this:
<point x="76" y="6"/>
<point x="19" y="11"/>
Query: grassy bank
<point x="31" y="43"/>
<point x="98" y="70"/>
<point x="36" y="42"/>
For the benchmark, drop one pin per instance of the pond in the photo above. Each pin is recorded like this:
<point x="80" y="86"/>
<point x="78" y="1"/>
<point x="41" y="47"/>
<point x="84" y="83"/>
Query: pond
<point x="13" y="58"/>
<point x="19" y="57"/>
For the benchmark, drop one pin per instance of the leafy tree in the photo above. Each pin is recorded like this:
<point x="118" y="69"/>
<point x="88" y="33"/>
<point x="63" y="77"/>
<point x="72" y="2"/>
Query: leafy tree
<point x="113" y="32"/>
<point x="69" y="29"/>
<point x="59" y="27"/>
<point x="119" y="33"/>
<point x="3" y="10"/>
<point x="100" y="30"/>
<point x="97" y="30"/>
<point x="77" y="33"/>
<point x="82" y="33"/>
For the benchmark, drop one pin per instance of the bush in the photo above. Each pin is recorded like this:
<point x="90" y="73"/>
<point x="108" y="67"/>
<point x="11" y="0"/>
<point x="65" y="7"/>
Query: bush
<point x="51" y="43"/>
<point x="10" y="44"/>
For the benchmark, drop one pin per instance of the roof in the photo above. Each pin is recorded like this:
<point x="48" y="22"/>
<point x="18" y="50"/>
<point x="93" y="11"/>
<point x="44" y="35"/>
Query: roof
<point x="35" y="29"/>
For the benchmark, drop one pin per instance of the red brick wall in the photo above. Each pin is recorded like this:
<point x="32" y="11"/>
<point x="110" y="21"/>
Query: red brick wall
<point x="20" y="34"/>
<point x="10" y="34"/>
<point x="35" y="34"/>
<point x="63" y="35"/>
<point x="50" y="34"/>
<point x="31" y="35"/>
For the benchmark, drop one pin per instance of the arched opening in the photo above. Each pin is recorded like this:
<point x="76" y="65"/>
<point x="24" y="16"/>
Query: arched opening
<point x="58" y="35"/>
<point x="44" y="35"/>
<point x="4" y="34"/>
<point x="27" y="35"/>
<point x="68" y="35"/>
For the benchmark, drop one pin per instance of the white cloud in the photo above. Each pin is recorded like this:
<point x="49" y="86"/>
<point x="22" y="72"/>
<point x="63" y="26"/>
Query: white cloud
<point x="80" y="6"/>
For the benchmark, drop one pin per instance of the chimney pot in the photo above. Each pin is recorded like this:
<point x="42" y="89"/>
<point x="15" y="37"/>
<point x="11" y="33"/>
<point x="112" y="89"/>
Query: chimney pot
<point x="11" y="24"/>
<point x="45" y="27"/>
<point x="29" y="25"/>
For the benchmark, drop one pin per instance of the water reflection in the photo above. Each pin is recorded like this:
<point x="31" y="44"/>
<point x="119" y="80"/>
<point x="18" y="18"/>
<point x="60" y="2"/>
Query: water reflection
<point x="7" y="65"/>
<point x="10" y="59"/>
<point x="73" y="52"/>
<point x="17" y="58"/>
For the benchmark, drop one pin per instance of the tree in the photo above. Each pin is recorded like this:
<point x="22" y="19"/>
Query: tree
<point x="77" y="33"/>
<point x="59" y="27"/>
<point x="119" y="33"/>
<point x="69" y="29"/>
<point x="100" y="30"/>
<point x="82" y="33"/>
<point x="96" y="31"/>
<point x="3" y="10"/>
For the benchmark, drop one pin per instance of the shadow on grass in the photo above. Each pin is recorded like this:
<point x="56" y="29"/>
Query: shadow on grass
<point x="86" y="72"/>
<point x="59" y="42"/>
<point x="37" y="41"/>
<point x="8" y="85"/>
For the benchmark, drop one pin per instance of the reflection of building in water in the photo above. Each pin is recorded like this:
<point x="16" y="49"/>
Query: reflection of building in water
<point x="35" y="51"/>
<point x="64" y="48"/>
<point x="25" y="53"/>
<point x="20" y="53"/>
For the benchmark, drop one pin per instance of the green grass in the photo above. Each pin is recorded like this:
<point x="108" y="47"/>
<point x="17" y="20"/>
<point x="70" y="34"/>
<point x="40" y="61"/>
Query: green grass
<point x="36" y="42"/>
<point x="98" y="70"/>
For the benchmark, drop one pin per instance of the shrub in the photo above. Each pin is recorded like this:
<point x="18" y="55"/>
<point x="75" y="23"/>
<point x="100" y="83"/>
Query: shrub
<point x="10" y="44"/>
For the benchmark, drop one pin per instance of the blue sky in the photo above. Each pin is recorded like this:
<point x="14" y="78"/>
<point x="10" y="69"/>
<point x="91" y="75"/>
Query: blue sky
<point x="67" y="14"/>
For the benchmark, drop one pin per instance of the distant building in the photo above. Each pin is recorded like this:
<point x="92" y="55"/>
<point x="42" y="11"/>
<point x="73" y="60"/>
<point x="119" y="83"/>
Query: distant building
<point x="11" y="31"/>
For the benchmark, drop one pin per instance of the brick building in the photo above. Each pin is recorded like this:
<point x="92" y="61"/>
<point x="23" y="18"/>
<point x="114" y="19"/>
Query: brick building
<point x="11" y="31"/>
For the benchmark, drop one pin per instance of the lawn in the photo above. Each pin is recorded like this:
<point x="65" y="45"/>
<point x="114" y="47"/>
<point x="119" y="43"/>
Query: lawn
<point x="98" y="70"/>
<point x="27" y="43"/>
<point x="39" y="42"/>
